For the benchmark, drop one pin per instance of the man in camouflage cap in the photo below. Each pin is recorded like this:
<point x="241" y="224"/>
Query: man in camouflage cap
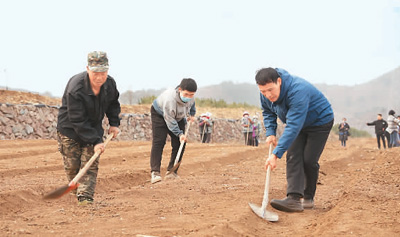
<point x="88" y="96"/>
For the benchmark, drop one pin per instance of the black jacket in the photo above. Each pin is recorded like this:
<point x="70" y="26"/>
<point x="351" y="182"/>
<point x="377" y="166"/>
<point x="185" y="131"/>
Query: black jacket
<point x="380" y="126"/>
<point x="81" y="114"/>
<point x="344" y="128"/>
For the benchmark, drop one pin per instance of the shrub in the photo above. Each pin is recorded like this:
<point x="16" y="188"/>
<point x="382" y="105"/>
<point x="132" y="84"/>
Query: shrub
<point x="147" y="100"/>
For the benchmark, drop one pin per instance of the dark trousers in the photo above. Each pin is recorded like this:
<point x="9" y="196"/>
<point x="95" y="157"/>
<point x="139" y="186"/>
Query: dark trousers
<point x="302" y="158"/>
<point x="387" y="135"/>
<point x="378" y="139"/>
<point x="160" y="132"/>
<point x="255" y="141"/>
<point x="249" y="137"/>
<point x="206" y="138"/>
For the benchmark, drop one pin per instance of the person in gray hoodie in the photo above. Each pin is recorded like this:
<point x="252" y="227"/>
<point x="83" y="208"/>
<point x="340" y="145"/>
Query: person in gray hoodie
<point x="392" y="128"/>
<point x="169" y="114"/>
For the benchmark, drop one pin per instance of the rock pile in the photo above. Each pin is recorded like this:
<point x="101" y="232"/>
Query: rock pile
<point x="40" y="122"/>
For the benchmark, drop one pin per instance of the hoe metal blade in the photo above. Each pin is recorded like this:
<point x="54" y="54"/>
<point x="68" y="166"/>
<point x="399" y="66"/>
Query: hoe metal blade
<point x="262" y="211"/>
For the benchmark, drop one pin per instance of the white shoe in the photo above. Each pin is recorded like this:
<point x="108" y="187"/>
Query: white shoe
<point x="155" y="177"/>
<point x="172" y="175"/>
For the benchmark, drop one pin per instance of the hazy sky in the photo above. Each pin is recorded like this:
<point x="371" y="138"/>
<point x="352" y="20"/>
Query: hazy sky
<point x="154" y="44"/>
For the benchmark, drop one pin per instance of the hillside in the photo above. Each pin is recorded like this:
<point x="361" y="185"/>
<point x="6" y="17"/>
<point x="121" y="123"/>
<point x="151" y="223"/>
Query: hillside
<point x="360" y="103"/>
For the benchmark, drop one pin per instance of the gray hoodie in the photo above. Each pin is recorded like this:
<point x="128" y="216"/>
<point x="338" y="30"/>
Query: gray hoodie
<point x="173" y="109"/>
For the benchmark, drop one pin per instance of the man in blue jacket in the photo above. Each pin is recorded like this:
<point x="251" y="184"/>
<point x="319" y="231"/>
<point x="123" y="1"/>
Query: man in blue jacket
<point x="309" y="118"/>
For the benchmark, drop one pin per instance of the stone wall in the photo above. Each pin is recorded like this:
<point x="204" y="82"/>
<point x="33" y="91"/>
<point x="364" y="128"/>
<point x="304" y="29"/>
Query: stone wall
<point x="40" y="122"/>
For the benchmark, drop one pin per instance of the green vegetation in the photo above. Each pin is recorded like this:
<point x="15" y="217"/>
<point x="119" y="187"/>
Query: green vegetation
<point x="213" y="103"/>
<point x="147" y="100"/>
<point x="354" y="132"/>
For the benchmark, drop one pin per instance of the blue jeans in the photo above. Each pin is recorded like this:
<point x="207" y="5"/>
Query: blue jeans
<point x="393" y="139"/>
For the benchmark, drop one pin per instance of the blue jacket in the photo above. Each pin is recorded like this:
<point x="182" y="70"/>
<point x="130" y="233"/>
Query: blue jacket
<point x="299" y="105"/>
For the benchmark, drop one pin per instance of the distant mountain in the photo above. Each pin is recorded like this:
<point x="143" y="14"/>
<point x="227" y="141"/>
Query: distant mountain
<point x="361" y="103"/>
<point x="133" y="97"/>
<point x="231" y="92"/>
<point x="228" y="91"/>
<point x="358" y="103"/>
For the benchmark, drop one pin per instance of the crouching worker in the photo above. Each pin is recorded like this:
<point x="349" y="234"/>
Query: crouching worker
<point x="309" y="118"/>
<point x="169" y="115"/>
<point x="88" y="96"/>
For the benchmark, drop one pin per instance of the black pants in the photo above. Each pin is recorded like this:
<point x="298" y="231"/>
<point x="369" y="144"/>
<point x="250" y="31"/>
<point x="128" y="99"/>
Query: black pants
<point x="248" y="138"/>
<point x="206" y="138"/>
<point x="387" y="135"/>
<point x="378" y="139"/>
<point x="160" y="131"/>
<point x="302" y="158"/>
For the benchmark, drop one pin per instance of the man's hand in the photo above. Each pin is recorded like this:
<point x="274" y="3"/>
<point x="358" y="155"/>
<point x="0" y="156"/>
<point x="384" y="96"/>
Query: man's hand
<point x="271" y="139"/>
<point x="99" y="147"/>
<point x="271" y="161"/>
<point x="182" y="138"/>
<point x="191" y="119"/>
<point x="114" y="130"/>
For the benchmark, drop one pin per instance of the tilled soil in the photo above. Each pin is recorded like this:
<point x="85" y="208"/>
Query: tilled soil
<point x="358" y="193"/>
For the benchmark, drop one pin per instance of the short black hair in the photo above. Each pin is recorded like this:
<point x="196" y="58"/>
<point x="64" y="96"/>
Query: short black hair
<point x="266" y="75"/>
<point x="188" y="84"/>
<point x="391" y="112"/>
<point x="380" y="115"/>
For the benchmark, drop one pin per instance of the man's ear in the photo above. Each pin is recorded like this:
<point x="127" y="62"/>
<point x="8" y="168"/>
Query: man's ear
<point x="279" y="81"/>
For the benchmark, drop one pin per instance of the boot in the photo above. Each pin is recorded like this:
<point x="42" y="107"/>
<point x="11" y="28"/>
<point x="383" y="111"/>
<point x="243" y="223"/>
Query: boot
<point x="290" y="204"/>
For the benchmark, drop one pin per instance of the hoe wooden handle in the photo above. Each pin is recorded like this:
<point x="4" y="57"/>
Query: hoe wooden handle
<point x="90" y="162"/>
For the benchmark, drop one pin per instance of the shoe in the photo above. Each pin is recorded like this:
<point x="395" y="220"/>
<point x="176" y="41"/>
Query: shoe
<point x="155" y="177"/>
<point x="307" y="203"/>
<point x="289" y="204"/>
<point x="83" y="201"/>
<point x="172" y="175"/>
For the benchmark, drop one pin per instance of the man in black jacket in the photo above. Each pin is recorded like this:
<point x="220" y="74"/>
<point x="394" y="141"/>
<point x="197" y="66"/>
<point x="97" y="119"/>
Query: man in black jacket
<point x="88" y="96"/>
<point x="380" y="127"/>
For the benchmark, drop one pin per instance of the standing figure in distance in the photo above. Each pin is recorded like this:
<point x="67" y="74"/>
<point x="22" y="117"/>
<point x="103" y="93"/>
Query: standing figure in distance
<point x="393" y="128"/>
<point x="247" y="128"/>
<point x="343" y="132"/>
<point x="380" y="127"/>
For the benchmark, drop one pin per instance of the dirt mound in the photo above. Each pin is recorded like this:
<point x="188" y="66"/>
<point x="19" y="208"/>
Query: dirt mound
<point x="358" y="193"/>
<point x="19" y="97"/>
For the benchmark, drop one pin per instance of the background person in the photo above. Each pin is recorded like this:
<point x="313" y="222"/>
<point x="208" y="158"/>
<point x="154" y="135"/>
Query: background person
<point x="309" y="118"/>
<point x="392" y="128"/>
<point x="380" y="127"/>
<point x="205" y="127"/>
<point x="169" y="113"/>
<point x="256" y="130"/>
<point x="88" y="96"/>
<point x="247" y="128"/>
<point x="343" y="132"/>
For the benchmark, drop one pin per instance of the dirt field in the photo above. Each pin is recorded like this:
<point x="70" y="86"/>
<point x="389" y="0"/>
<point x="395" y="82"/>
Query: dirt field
<point x="358" y="194"/>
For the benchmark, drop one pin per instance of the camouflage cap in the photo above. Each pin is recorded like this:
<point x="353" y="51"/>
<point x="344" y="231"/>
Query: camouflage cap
<point x="98" y="61"/>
